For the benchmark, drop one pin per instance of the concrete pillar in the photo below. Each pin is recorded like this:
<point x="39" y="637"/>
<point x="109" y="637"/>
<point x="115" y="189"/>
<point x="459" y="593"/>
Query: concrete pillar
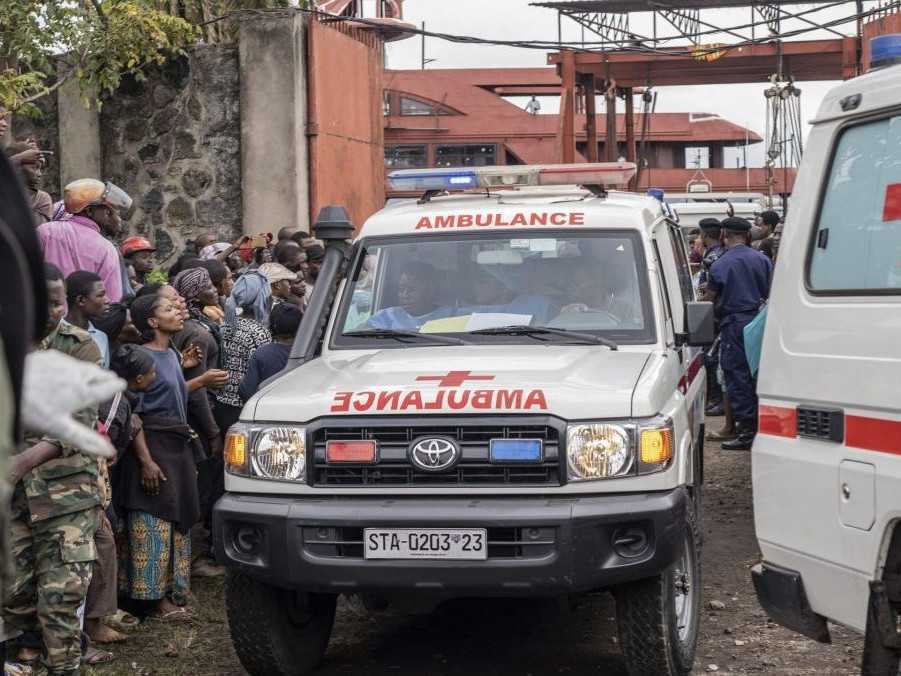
<point x="79" y="136"/>
<point x="274" y="154"/>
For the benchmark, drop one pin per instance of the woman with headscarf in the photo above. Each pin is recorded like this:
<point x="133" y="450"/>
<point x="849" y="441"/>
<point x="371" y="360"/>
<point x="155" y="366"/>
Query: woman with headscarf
<point x="156" y="563"/>
<point x="246" y="319"/>
<point x="199" y="334"/>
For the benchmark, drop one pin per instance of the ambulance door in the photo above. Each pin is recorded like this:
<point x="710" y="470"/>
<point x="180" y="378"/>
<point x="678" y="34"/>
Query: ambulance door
<point x="678" y="289"/>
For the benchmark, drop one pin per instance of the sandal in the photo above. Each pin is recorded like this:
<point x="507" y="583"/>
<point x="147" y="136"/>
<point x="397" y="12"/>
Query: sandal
<point x="181" y="614"/>
<point x="122" y="621"/>
<point x="719" y="436"/>
<point x="94" y="656"/>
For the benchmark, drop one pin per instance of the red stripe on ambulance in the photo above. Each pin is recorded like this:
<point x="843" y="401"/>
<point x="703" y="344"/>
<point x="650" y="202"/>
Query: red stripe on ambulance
<point x="873" y="434"/>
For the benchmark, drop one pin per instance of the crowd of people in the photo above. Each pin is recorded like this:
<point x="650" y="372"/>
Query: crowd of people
<point x="732" y="261"/>
<point x="99" y="544"/>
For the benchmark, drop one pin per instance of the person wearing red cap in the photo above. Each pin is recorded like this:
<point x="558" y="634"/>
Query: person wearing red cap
<point x="138" y="253"/>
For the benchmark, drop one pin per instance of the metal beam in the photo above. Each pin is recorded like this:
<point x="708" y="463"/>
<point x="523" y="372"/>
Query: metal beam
<point x="610" y="137"/>
<point x="568" y="107"/>
<point x="591" y="119"/>
<point x="612" y="27"/>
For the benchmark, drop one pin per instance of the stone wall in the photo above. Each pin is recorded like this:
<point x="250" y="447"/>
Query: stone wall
<point x="172" y="142"/>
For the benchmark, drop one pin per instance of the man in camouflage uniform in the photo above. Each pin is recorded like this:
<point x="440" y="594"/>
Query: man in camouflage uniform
<point x="54" y="513"/>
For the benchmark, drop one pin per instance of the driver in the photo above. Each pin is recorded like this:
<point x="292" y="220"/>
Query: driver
<point x="586" y="290"/>
<point x="416" y="295"/>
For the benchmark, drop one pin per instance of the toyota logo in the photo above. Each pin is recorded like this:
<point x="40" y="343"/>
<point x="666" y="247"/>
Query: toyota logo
<point x="434" y="454"/>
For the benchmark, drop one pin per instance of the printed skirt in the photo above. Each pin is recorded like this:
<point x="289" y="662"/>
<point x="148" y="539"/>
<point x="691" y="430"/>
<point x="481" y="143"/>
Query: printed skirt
<point x="154" y="559"/>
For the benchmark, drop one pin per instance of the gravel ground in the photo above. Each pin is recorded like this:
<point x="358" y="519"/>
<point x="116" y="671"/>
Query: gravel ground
<point x="494" y="638"/>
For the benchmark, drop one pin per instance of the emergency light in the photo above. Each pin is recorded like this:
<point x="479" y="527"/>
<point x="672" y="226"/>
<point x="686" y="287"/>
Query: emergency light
<point x="885" y="50"/>
<point x="441" y="179"/>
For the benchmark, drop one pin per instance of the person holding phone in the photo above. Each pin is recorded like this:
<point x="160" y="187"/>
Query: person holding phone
<point x="30" y="162"/>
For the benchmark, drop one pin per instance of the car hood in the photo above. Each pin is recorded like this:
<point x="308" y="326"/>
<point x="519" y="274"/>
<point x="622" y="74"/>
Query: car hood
<point x="572" y="382"/>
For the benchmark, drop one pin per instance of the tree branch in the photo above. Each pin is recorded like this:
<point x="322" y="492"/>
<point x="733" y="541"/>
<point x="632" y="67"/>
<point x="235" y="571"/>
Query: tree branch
<point x="60" y="81"/>
<point x="100" y="13"/>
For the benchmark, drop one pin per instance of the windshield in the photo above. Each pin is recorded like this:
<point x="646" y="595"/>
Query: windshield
<point x="593" y="283"/>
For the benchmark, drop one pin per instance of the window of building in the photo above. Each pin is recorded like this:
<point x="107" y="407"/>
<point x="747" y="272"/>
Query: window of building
<point x="410" y="106"/>
<point x="477" y="155"/>
<point x="697" y="157"/>
<point x="856" y="244"/>
<point x="406" y="157"/>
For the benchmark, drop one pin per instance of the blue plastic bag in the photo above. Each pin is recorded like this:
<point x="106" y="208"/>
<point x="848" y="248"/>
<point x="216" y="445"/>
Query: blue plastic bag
<point x="753" y="335"/>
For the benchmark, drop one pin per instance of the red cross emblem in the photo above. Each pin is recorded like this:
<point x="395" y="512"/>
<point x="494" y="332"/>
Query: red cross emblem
<point x="454" y="378"/>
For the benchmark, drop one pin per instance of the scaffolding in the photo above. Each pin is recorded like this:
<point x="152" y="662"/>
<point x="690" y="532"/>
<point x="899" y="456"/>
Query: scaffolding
<point x="684" y="42"/>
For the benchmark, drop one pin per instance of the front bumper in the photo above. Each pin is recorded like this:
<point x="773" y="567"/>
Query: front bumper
<point x="541" y="545"/>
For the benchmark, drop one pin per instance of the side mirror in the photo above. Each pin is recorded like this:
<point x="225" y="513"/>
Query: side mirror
<point x="699" y="327"/>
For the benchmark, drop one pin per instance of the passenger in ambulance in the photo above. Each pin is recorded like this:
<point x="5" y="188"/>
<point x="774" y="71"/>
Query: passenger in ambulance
<point x="491" y="294"/>
<point x="416" y="290"/>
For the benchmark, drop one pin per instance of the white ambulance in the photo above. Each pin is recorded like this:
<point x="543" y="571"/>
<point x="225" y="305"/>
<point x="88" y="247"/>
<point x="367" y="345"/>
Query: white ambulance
<point x="493" y="393"/>
<point x="827" y="459"/>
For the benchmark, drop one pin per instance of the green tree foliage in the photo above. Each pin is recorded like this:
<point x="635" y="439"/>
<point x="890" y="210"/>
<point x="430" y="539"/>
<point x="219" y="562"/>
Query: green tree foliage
<point x="44" y="43"/>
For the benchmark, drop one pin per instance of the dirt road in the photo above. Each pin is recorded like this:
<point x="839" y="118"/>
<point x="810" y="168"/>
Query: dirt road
<point x="491" y="638"/>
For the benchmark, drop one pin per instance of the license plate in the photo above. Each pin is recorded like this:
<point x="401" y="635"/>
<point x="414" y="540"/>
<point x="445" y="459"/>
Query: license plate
<point x="426" y="543"/>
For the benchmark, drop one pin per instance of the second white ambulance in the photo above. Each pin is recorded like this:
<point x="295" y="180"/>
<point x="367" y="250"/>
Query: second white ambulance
<point x="827" y="459"/>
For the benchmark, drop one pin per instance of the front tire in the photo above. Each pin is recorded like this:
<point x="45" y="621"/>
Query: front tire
<point x="277" y="632"/>
<point x="658" y="617"/>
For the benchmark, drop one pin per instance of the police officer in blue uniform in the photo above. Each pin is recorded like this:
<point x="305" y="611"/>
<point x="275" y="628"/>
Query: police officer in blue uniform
<point x="711" y="230"/>
<point x="739" y="283"/>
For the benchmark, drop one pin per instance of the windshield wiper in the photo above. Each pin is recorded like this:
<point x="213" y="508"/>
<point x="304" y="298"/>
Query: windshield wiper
<point x="534" y="331"/>
<point x="404" y="336"/>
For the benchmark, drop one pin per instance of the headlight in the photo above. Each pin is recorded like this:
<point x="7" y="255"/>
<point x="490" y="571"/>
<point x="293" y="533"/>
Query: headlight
<point x="606" y="450"/>
<point x="274" y="452"/>
<point x="598" y="451"/>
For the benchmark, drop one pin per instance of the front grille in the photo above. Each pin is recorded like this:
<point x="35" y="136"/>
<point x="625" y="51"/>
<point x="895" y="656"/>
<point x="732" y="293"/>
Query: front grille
<point x="474" y="468"/>
<point x="529" y="542"/>
<point x="821" y="423"/>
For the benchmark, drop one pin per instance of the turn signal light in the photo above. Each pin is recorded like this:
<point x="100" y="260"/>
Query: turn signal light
<point x="235" y="453"/>
<point x="350" y="451"/>
<point x="656" y="446"/>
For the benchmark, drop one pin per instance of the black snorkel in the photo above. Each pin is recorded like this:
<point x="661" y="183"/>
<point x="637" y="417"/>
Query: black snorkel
<point x="334" y="228"/>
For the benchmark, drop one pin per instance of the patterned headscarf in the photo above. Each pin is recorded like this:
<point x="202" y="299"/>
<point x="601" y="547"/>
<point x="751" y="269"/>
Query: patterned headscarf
<point x="211" y="251"/>
<point x="251" y="292"/>
<point x="59" y="211"/>
<point x="191" y="283"/>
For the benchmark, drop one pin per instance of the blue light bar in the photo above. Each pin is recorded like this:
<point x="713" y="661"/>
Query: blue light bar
<point x="452" y="179"/>
<point x="513" y="176"/>
<point x="885" y="50"/>
<point x="516" y="450"/>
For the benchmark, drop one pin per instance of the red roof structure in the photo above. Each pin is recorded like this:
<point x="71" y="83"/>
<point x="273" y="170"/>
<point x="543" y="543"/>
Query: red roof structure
<point x="459" y="117"/>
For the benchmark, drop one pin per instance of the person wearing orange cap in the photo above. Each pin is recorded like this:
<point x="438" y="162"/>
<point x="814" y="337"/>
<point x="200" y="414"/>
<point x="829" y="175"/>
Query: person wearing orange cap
<point x="80" y="242"/>
<point x="138" y="253"/>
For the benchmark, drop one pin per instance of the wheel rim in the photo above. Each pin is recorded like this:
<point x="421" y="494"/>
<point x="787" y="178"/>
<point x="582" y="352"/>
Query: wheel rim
<point x="684" y="592"/>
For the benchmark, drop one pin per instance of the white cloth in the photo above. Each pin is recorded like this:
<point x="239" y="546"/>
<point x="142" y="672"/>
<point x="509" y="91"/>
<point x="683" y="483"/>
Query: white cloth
<point x="55" y="386"/>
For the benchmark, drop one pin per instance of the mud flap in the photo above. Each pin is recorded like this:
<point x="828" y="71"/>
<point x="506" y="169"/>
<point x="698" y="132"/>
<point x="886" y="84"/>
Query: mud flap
<point x="882" y="645"/>
<point x="781" y="593"/>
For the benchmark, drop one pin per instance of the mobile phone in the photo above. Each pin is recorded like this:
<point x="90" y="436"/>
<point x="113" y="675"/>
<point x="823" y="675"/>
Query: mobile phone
<point x="259" y="241"/>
